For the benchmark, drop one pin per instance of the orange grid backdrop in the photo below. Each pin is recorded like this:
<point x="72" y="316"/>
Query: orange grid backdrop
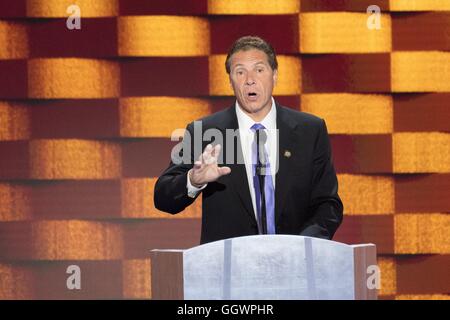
<point x="86" y="117"/>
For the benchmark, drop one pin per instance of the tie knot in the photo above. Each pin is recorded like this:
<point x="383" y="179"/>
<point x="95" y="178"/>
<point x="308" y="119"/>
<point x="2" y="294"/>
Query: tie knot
<point x="257" y="126"/>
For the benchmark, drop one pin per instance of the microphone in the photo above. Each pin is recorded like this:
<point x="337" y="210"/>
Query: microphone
<point x="261" y="167"/>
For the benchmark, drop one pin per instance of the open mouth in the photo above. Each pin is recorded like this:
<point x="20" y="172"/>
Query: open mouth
<point x="252" y="96"/>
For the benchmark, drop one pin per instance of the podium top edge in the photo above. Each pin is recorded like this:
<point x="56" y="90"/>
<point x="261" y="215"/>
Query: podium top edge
<point x="167" y="250"/>
<point x="279" y="236"/>
<point x="361" y="245"/>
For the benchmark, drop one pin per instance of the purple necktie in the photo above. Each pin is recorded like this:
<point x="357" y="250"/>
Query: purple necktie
<point x="262" y="175"/>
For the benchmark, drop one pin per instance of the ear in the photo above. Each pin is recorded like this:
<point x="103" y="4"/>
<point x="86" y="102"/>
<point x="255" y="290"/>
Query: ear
<point x="275" y="77"/>
<point x="230" y="81"/>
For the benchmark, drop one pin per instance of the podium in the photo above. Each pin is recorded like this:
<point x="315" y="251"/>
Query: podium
<point x="265" y="267"/>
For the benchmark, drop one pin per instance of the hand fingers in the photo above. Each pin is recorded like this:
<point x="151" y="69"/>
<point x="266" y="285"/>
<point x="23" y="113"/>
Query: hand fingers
<point x="224" y="170"/>
<point x="208" y="158"/>
<point x="209" y="148"/>
<point x="216" y="151"/>
<point x="205" y="156"/>
<point x="202" y="158"/>
<point x="198" y="164"/>
<point x="207" y="151"/>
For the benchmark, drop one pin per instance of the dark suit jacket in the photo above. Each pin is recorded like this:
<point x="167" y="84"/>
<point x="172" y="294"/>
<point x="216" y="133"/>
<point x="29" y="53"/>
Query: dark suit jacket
<point x="306" y="188"/>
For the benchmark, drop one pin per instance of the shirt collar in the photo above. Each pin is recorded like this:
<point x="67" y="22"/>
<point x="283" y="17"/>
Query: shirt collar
<point x="245" y="122"/>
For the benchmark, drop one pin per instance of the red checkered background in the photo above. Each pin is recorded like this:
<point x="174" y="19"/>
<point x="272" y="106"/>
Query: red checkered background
<point x="86" y="117"/>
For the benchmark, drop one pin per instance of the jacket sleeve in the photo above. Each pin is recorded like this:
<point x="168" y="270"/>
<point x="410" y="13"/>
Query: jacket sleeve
<point x="325" y="207"/>
<point x="170" y="194"/>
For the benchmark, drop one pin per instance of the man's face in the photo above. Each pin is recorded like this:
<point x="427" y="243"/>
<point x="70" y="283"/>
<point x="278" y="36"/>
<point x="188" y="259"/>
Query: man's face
<point x="252" y="80"/>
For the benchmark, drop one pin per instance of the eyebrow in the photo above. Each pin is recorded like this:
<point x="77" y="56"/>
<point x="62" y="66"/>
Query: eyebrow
<point x="241" y="65"/>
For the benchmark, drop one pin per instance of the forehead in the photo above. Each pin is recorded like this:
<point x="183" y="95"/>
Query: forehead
<point x="249" y="57"/>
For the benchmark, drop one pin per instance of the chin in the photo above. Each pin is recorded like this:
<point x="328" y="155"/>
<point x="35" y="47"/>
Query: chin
<point x="252" y="108"/>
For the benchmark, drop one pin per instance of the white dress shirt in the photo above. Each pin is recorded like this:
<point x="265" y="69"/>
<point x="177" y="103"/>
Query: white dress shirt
<point x="246" y="137"/>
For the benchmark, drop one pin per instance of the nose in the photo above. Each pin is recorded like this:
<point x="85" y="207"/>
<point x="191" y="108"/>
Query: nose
<point x="250" y="79"/>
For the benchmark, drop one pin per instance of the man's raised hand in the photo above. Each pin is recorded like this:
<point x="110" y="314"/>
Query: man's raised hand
<point x="206" y="169"/>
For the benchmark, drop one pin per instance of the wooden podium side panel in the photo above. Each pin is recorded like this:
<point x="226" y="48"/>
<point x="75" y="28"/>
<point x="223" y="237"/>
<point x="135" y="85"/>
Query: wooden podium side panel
<point x="365" y="256"/>
<point x="167" y="275"/>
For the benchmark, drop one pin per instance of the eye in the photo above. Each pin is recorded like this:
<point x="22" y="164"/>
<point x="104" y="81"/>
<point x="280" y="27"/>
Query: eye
<point x="259" y="70"/>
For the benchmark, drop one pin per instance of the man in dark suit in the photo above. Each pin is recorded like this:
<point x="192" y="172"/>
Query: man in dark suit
<point x="278" y="176"/>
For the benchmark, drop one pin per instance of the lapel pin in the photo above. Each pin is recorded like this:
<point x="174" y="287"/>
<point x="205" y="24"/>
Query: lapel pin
<point x="287" y="153"/>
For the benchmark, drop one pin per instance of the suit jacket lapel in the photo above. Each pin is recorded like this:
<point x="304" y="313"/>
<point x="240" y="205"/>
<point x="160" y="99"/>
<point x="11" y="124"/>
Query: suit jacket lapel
<point x="238" y="173"/>
<point x="283" y="178"/>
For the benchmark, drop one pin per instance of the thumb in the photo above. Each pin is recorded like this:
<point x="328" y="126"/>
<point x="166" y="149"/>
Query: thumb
<point x="224" y="170"/>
